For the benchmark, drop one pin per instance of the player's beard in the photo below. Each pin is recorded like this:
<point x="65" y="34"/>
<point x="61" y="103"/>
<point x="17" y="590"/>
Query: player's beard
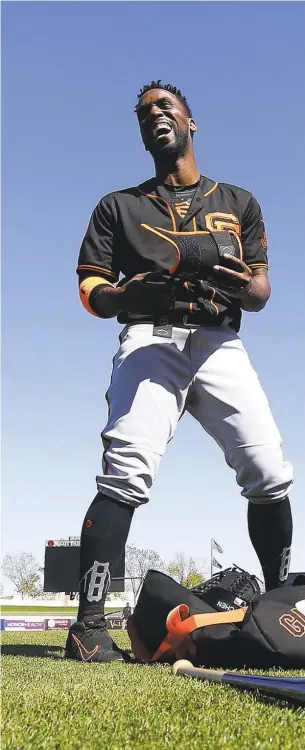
<point x="170" y="151"/>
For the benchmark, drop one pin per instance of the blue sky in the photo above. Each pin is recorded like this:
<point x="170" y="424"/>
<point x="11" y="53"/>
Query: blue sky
<point x="71" y="72"/>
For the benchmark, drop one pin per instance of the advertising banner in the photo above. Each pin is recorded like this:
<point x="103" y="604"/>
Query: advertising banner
<point x="114" y="623"/>
<point x="58" y="623"/>
<point x="34" y="624"/>
<point x="14" y="624"/>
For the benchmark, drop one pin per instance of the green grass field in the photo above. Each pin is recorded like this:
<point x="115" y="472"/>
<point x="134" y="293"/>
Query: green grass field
<point x="30" y="610"/>
<point x="52" y="704"/>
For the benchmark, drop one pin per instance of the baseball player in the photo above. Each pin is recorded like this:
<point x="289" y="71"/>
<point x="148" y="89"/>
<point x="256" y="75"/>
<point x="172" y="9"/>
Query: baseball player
<point x="126" y="612"/>
<point x="179" y="350"/>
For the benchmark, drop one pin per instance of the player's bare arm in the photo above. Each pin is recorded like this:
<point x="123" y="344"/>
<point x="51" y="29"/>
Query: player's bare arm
<point x="255" y="296"/>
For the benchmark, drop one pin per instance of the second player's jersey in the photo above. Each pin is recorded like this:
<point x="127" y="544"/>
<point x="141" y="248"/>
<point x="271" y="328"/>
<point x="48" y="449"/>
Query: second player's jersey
<point x="117" y="244"/>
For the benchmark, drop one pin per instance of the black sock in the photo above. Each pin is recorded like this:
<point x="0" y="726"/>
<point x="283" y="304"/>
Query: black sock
<point x="270" y="530"/>
<point x="103" y="538"/>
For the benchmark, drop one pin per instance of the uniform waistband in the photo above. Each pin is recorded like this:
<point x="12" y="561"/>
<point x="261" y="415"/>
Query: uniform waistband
<point x="186" y="322"/>
<point x="191" y="320"/>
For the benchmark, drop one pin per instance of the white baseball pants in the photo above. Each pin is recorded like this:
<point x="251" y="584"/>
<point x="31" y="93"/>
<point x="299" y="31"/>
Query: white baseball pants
<point x="207" y="372"/>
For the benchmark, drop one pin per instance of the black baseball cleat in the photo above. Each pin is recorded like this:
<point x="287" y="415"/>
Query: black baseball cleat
<point x="91" y="644"/>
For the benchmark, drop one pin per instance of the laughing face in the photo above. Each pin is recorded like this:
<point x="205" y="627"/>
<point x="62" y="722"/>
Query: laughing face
<point x="164" y="123"/>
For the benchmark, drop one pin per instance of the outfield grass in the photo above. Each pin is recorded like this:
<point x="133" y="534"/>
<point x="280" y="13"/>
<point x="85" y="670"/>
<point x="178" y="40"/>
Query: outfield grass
<point x="52" y="704"/>
<point x="31" y="610"/>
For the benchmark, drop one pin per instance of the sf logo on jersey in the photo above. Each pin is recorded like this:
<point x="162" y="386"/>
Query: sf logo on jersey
<point x="222" y="222"/>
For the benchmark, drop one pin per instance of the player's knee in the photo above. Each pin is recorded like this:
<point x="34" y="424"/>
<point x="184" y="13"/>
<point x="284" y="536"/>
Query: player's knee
<point x="266" y="496"/>
<point x="130" y="489"/>
<point x="129" y="472"/>
<point x="268" y="487"/>
<point x="264" y="475"/>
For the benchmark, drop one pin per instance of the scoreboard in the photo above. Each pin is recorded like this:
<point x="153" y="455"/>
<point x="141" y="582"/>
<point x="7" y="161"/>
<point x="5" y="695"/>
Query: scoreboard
<point x="61" y="567"/>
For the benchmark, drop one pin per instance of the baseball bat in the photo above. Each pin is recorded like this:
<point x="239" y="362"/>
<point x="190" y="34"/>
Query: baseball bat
<point x="285" y="688"/>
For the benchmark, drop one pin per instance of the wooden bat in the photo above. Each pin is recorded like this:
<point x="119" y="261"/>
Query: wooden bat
<point x="285" y="688"/>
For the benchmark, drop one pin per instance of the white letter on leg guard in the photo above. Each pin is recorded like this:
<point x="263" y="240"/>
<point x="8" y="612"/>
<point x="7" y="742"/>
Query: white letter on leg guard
<point x="285" y="562"/>
<point x="98" y="578"/>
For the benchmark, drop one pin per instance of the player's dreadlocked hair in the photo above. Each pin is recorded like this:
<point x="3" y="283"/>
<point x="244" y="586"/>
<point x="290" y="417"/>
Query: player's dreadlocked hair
<point x="167" y="87"/>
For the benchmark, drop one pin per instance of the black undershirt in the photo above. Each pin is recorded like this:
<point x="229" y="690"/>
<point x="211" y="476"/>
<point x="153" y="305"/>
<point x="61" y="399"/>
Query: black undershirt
<point x="181" y="197"/>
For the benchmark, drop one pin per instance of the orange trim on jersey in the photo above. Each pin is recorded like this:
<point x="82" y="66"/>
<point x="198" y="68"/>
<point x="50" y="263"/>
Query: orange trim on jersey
<point x="211" y="190"/>
<point x="158" y="198"/>
<point x="167" y="239"/>
<point x="85" y="289"/>
<point x="103" y="271"/>
<point x="194" y="223"/>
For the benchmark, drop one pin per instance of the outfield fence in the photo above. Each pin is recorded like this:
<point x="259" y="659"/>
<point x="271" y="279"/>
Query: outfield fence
<point x="36" y="623"/>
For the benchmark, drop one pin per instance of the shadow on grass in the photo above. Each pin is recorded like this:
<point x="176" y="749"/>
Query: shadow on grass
<point x="292" y="703"/>
<point x="33" y="651"/>
<point x="43" y="651"/>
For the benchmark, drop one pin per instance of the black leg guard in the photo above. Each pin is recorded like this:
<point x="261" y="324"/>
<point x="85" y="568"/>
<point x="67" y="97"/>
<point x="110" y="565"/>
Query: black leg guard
<point x="103" y="538"/>
<point x="270" y="530"/>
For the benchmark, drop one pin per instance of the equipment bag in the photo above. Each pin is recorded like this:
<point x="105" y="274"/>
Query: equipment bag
<point x="171" y="622"/>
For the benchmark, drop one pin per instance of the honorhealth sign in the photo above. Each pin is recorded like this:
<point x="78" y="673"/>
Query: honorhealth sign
<point x="29" y="623"/>
<point x="14" y="623"/>
<point x="34" y="625"/>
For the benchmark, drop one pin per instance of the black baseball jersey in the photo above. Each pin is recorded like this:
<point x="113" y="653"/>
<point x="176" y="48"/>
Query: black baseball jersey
<point x="117" y="244"/>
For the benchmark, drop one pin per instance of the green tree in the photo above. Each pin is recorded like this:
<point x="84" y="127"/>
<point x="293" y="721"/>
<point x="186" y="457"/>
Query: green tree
<point x="186" y="570"/>
<point x="24" y="572"/>
<point x="137" y="563"/>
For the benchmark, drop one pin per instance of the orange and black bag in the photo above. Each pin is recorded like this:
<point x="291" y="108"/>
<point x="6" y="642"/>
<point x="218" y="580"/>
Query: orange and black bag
<point x="171" y="622"/>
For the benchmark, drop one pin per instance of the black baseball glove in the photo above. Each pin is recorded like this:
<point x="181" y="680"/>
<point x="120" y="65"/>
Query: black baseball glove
<point x="230" y="589"/>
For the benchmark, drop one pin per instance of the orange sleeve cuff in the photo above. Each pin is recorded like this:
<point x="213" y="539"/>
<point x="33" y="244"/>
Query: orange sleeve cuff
<point x="85" y="289"/>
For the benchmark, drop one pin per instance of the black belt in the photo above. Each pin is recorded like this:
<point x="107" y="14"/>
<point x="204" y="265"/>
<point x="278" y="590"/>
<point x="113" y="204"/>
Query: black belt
<point x="193" y="319"/>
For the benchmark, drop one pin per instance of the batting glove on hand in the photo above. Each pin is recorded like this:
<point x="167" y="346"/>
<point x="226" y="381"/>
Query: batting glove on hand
<point x="149" y="293"/>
